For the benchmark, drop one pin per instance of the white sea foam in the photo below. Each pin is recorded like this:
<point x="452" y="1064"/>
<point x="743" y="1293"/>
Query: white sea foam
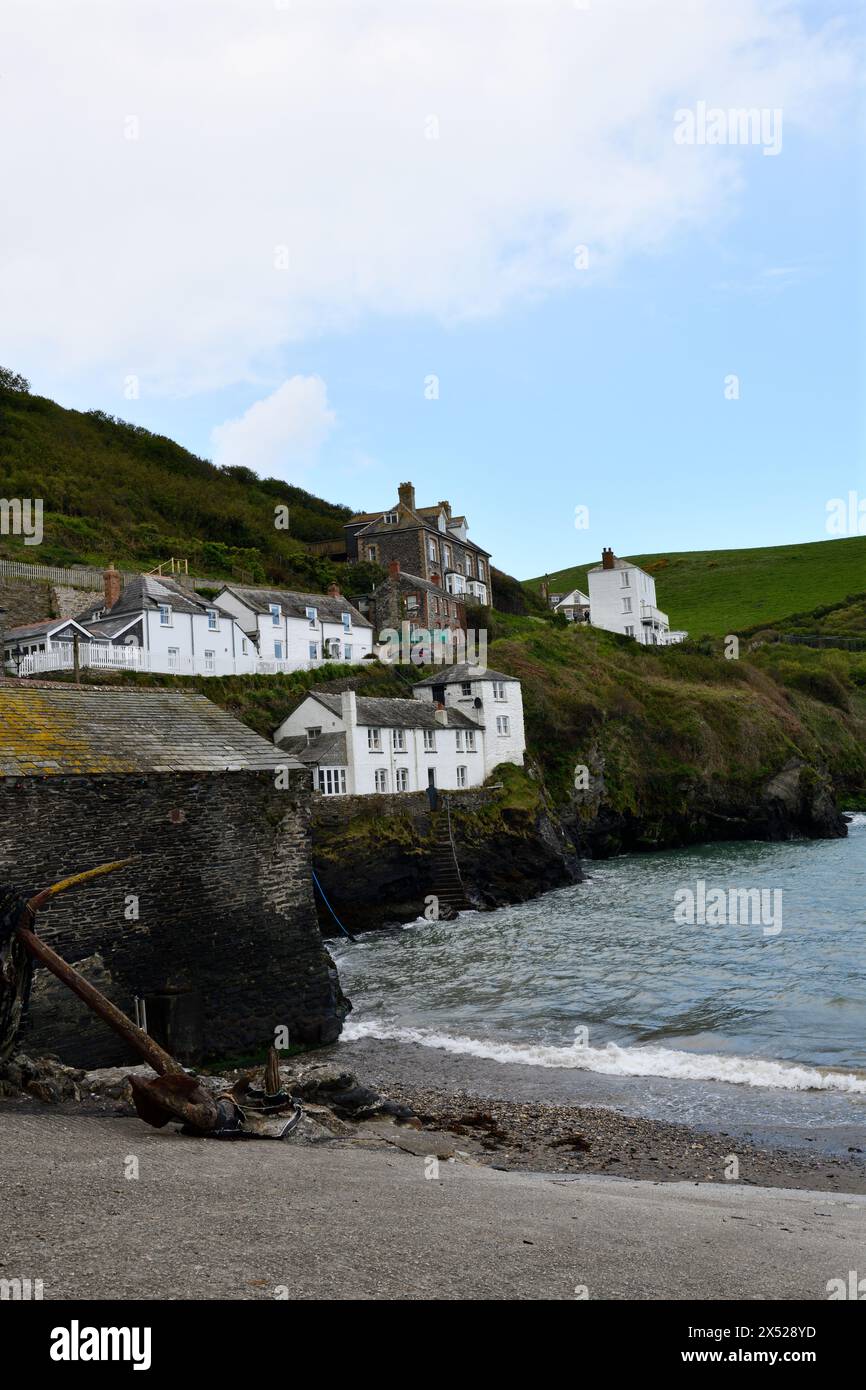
<point x="613" y="1060"/>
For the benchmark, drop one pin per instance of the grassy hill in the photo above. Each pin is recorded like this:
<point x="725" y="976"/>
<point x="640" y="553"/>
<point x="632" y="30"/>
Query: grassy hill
<point x="114" y="491"/>
<point x="719" y="591"/>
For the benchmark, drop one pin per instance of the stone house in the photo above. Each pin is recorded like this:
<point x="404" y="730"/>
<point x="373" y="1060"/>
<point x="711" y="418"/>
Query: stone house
<point x="213" y="929"/>
<point x="408" y="598"/>
<point x="425" y="541"/>
<point x="574" y="605"/>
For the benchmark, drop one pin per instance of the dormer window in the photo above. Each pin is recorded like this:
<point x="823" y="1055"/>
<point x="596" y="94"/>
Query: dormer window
<point x="276" y="614"/>
<point x="311" y="616"/>
<point x="391" y="518"/>
<point x="347" y="622"/>
<point x="165" y="615"/>
<point x="213" y="620"/>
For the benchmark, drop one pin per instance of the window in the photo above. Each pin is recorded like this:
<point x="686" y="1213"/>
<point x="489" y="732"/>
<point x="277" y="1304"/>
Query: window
<point x="461" y="776"/>
<point x="332" y="648"/>
<point x="243" y="646"/>
<point x="459" y="738"/>
<point x="431" y="549"/>
<point x="402" y="779"/>
<point x="374" y="740"/>
<point x="347" y="622"/>
<point x="470" y="740"/>
<point x="278" y="651"/>
<point x="626" y="605"/>
<point x="311" y="615"/>
<point x="347" y="651"/>
<point x="373" y="554"/>
<point x="209" y="662"/>
<point x="503" y="725"/>
<point x="625" y="579"/>
<point x="467" y="565"/>
<point x="480" y="569"/>
<point x="173" y="658"/>
<point x="446" y="550"/>
<point x="332" y="781"/>
<point x="465" y="687"/>
<point x="213" y="620"/>
<point x="313" y="732"/>
<point x="411" y="602"/>
<point x="381" y="779"/>
<point x="499" y="690"/>
<point x="429" y="740"/>
<point x="391" y="518"/>
<point x="165" y="615"/>
<point x="313" y="649"/>
<point x="398" y="740"/>
<point x="276" y="614"/>
<point x="629" y="632"/>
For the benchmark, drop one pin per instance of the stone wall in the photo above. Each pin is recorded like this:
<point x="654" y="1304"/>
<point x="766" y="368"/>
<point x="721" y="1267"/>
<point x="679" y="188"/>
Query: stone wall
<point x="226" y="937"/>
<point x="67" y="602"/>
<point x="25" y="600"/>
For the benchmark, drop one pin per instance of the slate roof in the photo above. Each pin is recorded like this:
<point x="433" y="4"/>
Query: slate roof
<point x="144" y="591"/>
<point x="414" y="581"/>
<point x="450" y="675"/>
<point x="78" y="732"/>
<point x="295" y="604"/>
<point x="389" y="713"/>
<point x="617" y="565"/>
<point x="327" y="749"/>
<point x="111" y="627"/>
<point x="15" y="634"/>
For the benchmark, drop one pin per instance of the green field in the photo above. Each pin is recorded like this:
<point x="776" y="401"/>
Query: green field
<point x="719" y="591"/>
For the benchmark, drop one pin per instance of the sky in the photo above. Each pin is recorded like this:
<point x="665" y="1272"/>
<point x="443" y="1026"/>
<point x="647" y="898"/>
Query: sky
<point x="514" y="251"/>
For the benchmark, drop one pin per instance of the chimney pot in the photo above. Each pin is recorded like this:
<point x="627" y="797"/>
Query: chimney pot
<point x="446" y="507"/>
<point x="607" y="558"/>
<point x="111" y="581"/>
<point x="334" y="591"/>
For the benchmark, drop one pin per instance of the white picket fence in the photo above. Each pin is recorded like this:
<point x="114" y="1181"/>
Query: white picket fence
<point x="74" y="578"/>
<point x="59" y="657"/>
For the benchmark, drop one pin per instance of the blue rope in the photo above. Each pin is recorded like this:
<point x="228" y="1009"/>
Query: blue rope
<point x="330" y="909"/>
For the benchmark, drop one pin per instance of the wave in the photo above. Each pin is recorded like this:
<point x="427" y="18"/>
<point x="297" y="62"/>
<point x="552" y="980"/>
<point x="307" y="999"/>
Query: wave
<point x="613" y="1060"/>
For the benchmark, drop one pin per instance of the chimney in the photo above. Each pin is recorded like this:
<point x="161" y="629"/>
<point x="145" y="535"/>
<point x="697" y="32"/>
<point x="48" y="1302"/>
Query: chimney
<point x="406" y="493"/>
<point x="393" y="569"/>
<point x="440" y="713"/>
<point x="111" y="580"/>
<point x="435" y="579"/>
<point x="334" y="591"/>
<point x="446" y="507"/>
<point x="349" y="709"/>
<point x="607" y="558"/>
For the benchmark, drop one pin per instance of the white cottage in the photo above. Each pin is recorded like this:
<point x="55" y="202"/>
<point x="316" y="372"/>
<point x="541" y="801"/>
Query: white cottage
<point x="460" y="725"/>
<point x="622" y="598"/>
<point x="296" y="632"/>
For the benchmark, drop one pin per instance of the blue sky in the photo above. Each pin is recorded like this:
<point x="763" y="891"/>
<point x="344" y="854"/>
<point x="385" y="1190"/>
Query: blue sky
<point x="558" y="387"/>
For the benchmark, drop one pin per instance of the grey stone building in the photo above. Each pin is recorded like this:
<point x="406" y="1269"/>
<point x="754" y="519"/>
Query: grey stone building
<point x="214" y="926"/>
<point x="427" y="542"/>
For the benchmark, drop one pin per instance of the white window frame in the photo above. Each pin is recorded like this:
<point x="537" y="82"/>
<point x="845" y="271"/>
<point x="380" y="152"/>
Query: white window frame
<point x="173" y="658"/>
<point x="313" y="651"/>
<point x="462" y="776"/>
<point x="398" y="740"/>
<point x="213" y="620"/>
<point x="276" y="614"/>
<point x="626" y="605"/>
<point x="312" y="615"/>
<point x="625" y="579"/>
<point x="380" y="779"/>
<point x="503" y="725"/>
<point x="429" y="740"/>
<point x="346" y="619"/>
<point x="465" y="688"/>
<point x="347" y="651"/>
<point x="470" y="741"/>
<point x="209" y="660"/>
<point x="166" y="617"/>
<point x="374" y="740"/>
<point x="499" y="690"/>
<point x="278" y="651"/>
<point x="401" y="778"/>
<point x="459" y="740"/>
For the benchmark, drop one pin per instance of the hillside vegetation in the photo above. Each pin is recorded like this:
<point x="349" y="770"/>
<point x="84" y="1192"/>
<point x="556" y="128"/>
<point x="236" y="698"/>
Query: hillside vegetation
<point x="114" y="491"/>
<point x="713" y="592"/>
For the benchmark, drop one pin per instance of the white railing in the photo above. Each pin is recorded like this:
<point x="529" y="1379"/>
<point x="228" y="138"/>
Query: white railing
<point x="74" y="578"/>
<point x="101" y="656"/>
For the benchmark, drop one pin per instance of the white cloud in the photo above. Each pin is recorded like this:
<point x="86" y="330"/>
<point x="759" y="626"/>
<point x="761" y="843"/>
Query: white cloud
<point x="304" y="126"/>
<point x="280" y="434"/>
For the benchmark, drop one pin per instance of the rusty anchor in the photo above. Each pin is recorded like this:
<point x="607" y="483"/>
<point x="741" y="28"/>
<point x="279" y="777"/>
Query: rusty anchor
<point x="174" y="1094"/>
